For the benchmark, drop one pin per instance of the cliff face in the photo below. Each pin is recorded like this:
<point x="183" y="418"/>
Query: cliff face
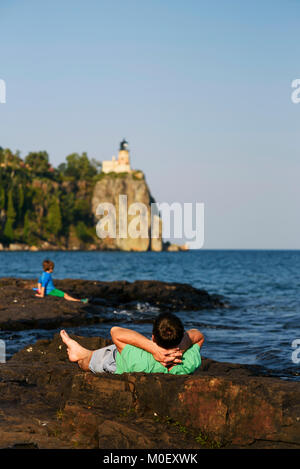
<point x="55" y="211"/>
<point x="132" y="185"/>
<point x="42" y="213"/>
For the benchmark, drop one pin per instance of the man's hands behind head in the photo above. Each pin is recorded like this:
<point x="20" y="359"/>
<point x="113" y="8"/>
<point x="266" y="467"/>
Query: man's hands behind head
<point x="167" y="357"/>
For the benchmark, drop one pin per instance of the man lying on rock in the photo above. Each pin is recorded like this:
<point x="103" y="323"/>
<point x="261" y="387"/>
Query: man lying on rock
<point x="171" y="350"/>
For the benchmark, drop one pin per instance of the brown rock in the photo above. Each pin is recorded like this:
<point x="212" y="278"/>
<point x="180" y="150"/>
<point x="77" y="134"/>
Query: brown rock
<point x="48" y="402"/>
<point x="133" y="185"/>
<point x="21" y="309"/>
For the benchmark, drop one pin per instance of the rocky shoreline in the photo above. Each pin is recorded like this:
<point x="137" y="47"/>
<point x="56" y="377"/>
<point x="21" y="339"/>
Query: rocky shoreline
<point x="48" y="402"/>
<point x="80" y="246"/>
<point x="13" y="247"/>
<point x="21" y="310"/>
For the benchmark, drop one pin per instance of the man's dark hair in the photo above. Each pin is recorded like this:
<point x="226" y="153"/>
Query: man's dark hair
<point x="167" y="330"/>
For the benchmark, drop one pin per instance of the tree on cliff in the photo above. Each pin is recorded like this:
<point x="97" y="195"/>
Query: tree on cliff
<point x="2" y="198"/>
<point x="20" y="202"/>
<point x="27" y="228"/>
<point x="79" y="167"/>
<point x="38" y="162"/>
<point x="83" y="233"/>
<point x="54" y="221"/>
<point x="10" y="218"/>
<point x="38" y="202"/>
<point x="30" y="229"/>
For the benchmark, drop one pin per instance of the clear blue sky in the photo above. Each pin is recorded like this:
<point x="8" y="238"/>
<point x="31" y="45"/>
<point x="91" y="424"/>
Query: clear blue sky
<point x="201" y="90"/>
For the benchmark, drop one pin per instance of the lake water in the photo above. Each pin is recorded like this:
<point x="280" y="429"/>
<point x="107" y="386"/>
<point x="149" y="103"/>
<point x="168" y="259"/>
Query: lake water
<point x="262" y="288"/>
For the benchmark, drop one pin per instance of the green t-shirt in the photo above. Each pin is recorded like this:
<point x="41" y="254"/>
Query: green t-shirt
<point x="133" y="359"/>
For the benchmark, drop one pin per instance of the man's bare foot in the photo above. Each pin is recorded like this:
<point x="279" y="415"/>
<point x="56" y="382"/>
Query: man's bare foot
<point x="76" y="352"/>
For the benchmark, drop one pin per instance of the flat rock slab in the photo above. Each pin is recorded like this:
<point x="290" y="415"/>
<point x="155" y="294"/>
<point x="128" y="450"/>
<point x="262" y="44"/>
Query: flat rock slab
<point x="48" y="402"/>
<point x="20" y="309"/>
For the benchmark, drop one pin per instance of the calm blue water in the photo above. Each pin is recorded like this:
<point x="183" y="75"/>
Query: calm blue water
<point x="261" y="286"/>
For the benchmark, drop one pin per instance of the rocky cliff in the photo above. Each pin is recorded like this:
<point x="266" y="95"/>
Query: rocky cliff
<point x="132" y="185"/>
<point x="50" y="210"/>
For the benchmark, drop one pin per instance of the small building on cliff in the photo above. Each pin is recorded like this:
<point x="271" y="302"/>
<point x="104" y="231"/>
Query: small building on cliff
<point x="120" y="165"/>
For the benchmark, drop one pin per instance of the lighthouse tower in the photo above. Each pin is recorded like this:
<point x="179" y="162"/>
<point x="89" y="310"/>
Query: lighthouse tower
<point x="123" y="157"/>
<point x="122" y="164"/>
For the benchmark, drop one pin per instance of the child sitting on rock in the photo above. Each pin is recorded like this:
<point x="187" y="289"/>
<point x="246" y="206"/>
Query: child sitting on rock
<point x="46" y="286"/>
<point x="171" y="350"/>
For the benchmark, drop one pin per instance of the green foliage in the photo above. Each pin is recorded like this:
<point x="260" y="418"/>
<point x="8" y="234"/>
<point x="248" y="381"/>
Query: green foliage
<point x="27" y="227"/>
<point x="137" y="175"/>
<point x="39" y="202"/>
<point x="2" y="197"/>
<point x="7" y="157"/>
<point x="20" y="200"/>
<point x="111" y="175"/>
<point x="67" y="209"/>
<point x="82" y="209"/>
<point x="11" y="213"/>
<point x="10" y="218"/>
<point x="200" y="437"/>
<point x="79" y="167"/>
<point x="59" y="414"/>
<point x="30" y="231"/>
<point x="38" y="162"/>
<point x="8" y="230"/>
<point x="54" y="221"/>
<point x="83" y="233"/>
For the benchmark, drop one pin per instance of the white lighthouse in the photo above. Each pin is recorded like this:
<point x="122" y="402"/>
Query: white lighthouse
<point x="120" y="165"/>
